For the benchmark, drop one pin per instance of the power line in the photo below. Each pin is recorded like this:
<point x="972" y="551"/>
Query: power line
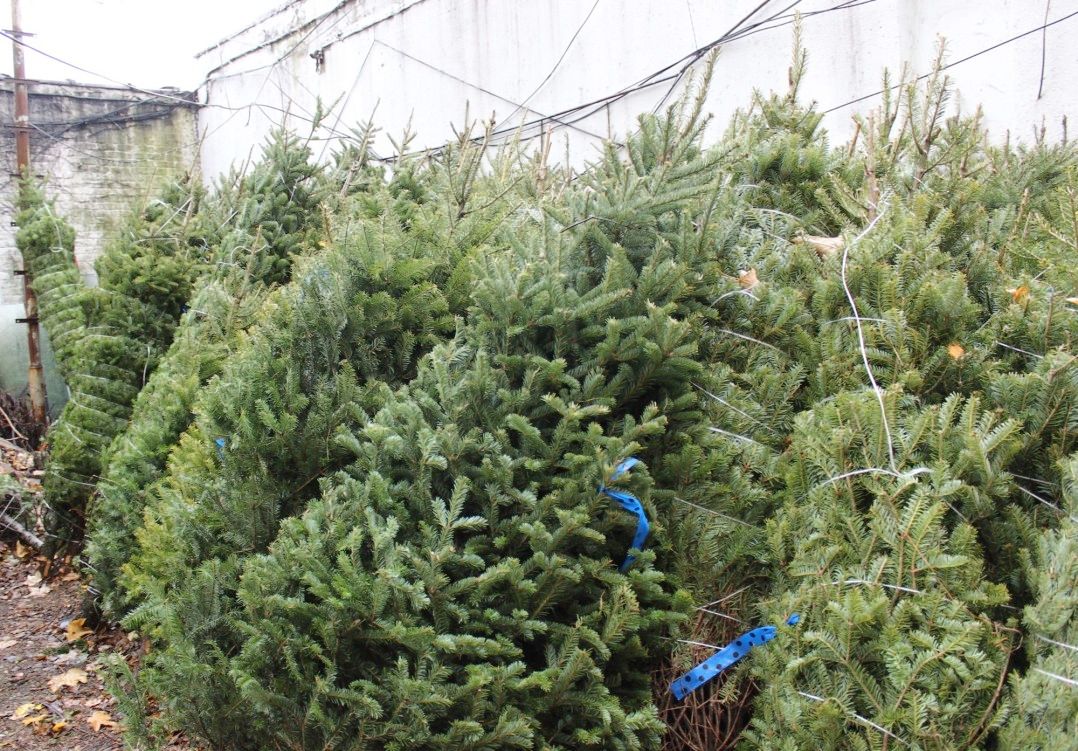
<point x="557" y="63"/>
<point x="477" y="87"/>
<point x="161" y="94"/>
<point x="949" y="65"/>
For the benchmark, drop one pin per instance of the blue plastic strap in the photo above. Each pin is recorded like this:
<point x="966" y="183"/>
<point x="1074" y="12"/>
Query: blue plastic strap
<point x="724" y="658"/>
<point x="632" y="504"/>
<point x="220" y="446"/>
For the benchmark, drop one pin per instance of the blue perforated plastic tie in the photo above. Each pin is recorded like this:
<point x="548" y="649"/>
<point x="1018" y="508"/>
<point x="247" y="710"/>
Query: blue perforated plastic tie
<point x="632" y="504"/>
<point x="725" y="657"/>
<point x="220" y="446"/>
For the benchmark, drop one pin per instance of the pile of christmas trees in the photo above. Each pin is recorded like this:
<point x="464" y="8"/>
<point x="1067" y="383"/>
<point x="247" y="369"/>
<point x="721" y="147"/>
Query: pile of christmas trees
<point x="375" y="493"/>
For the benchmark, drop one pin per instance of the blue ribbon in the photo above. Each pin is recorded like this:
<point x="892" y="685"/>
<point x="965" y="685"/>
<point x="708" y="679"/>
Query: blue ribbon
<point x="220" y="447"/>
<point x="724" y="658"/>
<point x="632" y="504"/>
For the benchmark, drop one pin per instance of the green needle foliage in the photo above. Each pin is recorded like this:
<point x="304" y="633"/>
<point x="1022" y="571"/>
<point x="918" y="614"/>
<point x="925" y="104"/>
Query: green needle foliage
<point x="46" y="243"/>
<point x="1044" y="712"/>
<point x="270" y="217"/>
<point x="468" y="594"/>
<point x="358" y="502"/>
<point x="145" y="277"/>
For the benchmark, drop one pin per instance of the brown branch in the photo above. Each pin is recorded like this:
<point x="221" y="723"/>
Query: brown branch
<point x="8" y="420"/>
<point x="21" y="531"/>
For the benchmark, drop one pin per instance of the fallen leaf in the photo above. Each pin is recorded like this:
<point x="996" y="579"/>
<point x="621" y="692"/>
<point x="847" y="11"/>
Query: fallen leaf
<point x="1020" y="293"/>
<point x="32" y="580"/>
<point x="70" y="576"/>
<point x="748" y="279"/>
<point x="58" y="726"/>
<point x="825" y="247"/>
<point x="25" y="709"/>
<point x="5" y="643"/>
<point x="100" y="719"/>
<point x="97" y="701"/>
<point x="76" y="629"/>
<point x="41" y="591"/>
<point x="21" y="551"/>
<point x="956" y="351"/>
<point x="72" y="657"/>
<point x="71" y="679"/>
<point x="35" y="719"/>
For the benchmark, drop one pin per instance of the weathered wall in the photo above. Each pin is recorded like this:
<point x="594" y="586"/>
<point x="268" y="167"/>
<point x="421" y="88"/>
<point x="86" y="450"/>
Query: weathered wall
<point x="426" y="61"/>
<point x="100" y="151"/>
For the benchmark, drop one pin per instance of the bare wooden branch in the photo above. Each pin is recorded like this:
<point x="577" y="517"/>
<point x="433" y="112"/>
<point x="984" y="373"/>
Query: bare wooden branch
<point x="27" y="536"/>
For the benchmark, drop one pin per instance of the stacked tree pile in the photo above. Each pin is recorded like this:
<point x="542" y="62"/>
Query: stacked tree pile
<point x="367" y="498"/>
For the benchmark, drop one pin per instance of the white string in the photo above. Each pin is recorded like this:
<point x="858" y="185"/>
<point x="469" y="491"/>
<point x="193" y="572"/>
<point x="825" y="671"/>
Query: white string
<point x="878" y="471"/>
<point x="1068" y="681"/>
<point x="720" y="615"/>
<point x="861" y="338"/>
<point x="1046" y="502"/>
<point x="879" y="584"/>
<point x="748" y="338"/>
<point x="1057" y="643"/>
<point x="735" y="436"/>
<point x="712" y="511"/>
<point x="856" y="716"/>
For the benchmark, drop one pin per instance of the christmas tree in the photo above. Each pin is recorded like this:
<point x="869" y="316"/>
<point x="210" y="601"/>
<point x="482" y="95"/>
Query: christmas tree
<point x="46" y="243"/>
<point x="145" y="276"/>
<point x="387" y="488"/>
<point x="270" y="217"/>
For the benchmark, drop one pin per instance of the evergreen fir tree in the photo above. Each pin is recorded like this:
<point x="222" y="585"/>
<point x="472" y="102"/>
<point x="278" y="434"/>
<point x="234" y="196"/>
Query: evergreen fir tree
<point x="568" y="356"/>
<point x="274" y="215"/>
<point x="46" y="243"/>
<point x="1043" y="702"/>
<point x="145" y="275"/>
<point x="362" y="509"/>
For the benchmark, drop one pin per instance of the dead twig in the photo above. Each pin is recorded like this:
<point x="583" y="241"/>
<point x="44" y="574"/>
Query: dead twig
<point x="26" y="535"/>
<point x="11" y="424"/>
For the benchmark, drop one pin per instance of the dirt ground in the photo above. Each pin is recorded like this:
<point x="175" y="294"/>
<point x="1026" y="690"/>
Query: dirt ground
<point x="52" y="694"/>
<point x="51" y="690"/>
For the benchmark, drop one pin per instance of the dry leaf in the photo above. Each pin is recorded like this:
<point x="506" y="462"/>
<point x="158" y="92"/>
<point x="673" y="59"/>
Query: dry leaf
<point x="25" y="709"/>
<point x="1020" y="293"/>
<point x="956" y="351"/>
<point x="825" y="247"/>
<point x="32" y="580"/>
<point x="5" y="643"/>
<point x="748" y="279"/>
<point x="58" y="726"/>
<point x="71" y="657"/>
<point x="70" y="576"/>
<point x="100" y="719"/>
<point x="76" y="629"/>
<point x="35" y="719"/>
<point x="41" y="591"/>
<point x="97" y="701"/>
<point x="21" y="551"/>
<point x="71" y="678"/>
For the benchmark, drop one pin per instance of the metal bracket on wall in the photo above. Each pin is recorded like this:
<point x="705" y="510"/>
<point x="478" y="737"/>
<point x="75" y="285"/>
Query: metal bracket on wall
<point x="19" y="272"/>
<point x="26" y="320"/>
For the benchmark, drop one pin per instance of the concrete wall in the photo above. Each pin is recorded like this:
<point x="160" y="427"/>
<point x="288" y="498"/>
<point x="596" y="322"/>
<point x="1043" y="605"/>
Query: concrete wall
<point x="429" y="62"/>
<point x="99" y="151"/>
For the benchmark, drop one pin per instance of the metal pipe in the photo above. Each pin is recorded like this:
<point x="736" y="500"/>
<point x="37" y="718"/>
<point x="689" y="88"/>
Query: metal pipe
<point x="36" y="375"/>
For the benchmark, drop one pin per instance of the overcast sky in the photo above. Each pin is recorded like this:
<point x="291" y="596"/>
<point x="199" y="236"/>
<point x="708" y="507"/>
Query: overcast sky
<point x="148" y="43"/>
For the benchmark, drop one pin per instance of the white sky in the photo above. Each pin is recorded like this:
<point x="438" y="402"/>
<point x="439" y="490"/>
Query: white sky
<point x="147" y="43"/>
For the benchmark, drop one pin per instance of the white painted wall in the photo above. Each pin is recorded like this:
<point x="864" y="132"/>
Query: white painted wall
<point x="100" y="152"/>
<point x="429" y="62"/>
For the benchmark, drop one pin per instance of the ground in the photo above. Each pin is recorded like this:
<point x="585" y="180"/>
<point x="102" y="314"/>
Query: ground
<point x="51" y="690"/>
<point x="52" y="695"/>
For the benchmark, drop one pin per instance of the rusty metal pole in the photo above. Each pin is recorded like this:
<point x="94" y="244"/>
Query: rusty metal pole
<point x="36" y="374"/>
